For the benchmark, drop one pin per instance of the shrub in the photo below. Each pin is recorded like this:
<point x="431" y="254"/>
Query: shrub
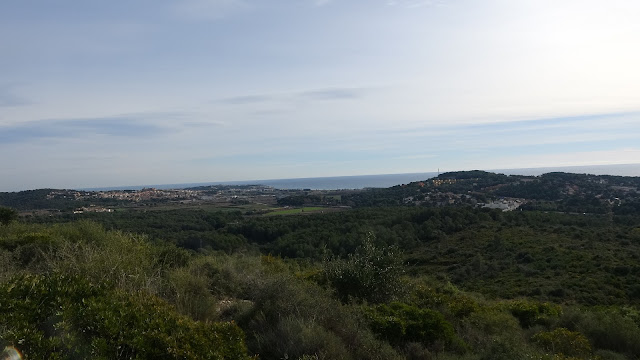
<point x="304" y="337"/>
<point x="124" y="260"/>
<point x="86" y="249"/>
<point x="282" y="304"/>
<point x="400" y="323"/>
<point x="531" y="313"/>
<point x="190" y="293"/>
<point x="563" y="342"/>
<point x="609" y="355"/>
<point x="284" y="315"/>
<point x="169" y="256"/>
<point x="60" y="316"/>
<point x="7" y="215"/>
<point x="606" y="330"/>
<point x="462" y="305"/>
<point x="493" y="333"/>
<point x="371" y="273"/>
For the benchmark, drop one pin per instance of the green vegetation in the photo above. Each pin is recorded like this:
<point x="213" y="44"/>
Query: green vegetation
<point x="400" y="323"/>
<point x="106" y="294"/>
<point x="57" y="316"/>
<point x="38" y="199"/>
<point x="581" y="259"/>
<point x="85" y="292"/>
<point x="564" y="343"/>
<point x="306" y="209"/>
<point x="369" y="274"/>
<point x="397" y="281"/>
<point x="7" y="215"/>
<point x="77" y="291"/>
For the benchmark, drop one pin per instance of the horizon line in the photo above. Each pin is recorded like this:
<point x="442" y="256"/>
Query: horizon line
<point x="257" y="181"/>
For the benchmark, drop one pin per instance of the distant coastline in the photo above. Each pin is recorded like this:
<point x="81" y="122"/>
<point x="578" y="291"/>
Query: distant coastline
<point x="384" y="180"/>
<point x="615" y="170"/>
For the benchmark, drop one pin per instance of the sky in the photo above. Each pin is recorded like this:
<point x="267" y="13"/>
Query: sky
<point x="106" y="93"/>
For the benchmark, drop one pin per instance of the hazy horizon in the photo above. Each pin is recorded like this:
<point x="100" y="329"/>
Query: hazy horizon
<point x="186" y="91"/>
<point x="616" y="170"/>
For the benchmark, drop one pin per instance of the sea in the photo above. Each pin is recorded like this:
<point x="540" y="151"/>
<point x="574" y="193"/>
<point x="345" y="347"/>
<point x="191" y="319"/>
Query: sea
<point x="386" y="180"/>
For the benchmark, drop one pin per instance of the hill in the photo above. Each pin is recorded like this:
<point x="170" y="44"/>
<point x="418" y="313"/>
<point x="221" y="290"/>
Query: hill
<point x="565" y="192"/>
<point x="439" y="269"/>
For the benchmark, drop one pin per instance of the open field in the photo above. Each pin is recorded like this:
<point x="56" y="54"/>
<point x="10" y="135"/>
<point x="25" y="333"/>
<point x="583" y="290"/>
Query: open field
<point x="295" y="211"/>
<point x="222" y="206"/>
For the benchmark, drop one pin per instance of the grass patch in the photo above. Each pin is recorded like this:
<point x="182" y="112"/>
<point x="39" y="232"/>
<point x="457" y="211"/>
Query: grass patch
<point x="295" y="211"/>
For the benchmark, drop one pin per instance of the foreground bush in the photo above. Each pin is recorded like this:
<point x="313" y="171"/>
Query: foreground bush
<point x="563" y="342"/>
<point x="285" y="317"/>
<point x="400" y="323"/>
<point x="59" y="316"/>
<point x="371" y="273"/>
<point x="607" y="330"/>
<point x="531" y="313"/>
<point x="77" y="291"/>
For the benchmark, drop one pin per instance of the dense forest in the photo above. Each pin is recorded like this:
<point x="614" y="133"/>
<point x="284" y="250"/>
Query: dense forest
<point x="557" y="278"/>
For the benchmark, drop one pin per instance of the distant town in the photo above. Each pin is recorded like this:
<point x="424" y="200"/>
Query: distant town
<point x="564" y="192"/>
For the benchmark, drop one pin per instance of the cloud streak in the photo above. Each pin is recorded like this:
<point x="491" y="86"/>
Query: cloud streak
<point x="247" y="99"/>
<point x="118" y="126"/>
<point x="334" y="93"/>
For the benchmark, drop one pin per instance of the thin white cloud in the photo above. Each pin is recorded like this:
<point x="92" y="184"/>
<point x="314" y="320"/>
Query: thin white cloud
<point x="334" y="93"/>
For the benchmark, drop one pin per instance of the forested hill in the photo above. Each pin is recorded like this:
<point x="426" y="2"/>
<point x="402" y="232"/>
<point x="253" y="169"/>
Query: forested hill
<point x="555" y="191"/>
<point x="52" y="199"/>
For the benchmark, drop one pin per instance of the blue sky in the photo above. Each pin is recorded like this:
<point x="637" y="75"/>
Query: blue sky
<point x="106" y="93"/>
